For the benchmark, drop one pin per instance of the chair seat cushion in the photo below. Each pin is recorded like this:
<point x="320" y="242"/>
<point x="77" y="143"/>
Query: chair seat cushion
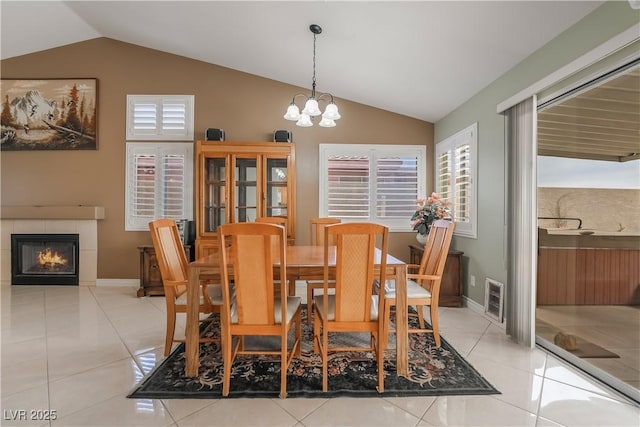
<point x="319" y="302"/>
<point x="293" y="303"/>
<point x="414" y="290"/>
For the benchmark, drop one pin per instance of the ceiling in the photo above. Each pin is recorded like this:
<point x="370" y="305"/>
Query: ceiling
<point x="421" y="59"/>
<point x="601" y="122"/>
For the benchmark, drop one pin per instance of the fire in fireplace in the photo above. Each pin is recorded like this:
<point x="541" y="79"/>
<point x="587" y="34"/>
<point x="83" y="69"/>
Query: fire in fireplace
<point x="44" y="259"/>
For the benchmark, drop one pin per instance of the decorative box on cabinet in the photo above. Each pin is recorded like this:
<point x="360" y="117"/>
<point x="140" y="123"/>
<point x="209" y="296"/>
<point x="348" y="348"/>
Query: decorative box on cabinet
<point x="450" y="289"/>
<point x="150" y="278"/>
<point x="240" y="181"/>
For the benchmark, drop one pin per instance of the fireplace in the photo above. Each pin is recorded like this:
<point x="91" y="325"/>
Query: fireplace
<point x="45" y="259"/>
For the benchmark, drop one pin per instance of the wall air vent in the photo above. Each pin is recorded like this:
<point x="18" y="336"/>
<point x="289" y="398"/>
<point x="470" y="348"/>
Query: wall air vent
<point x="494" y="299"/>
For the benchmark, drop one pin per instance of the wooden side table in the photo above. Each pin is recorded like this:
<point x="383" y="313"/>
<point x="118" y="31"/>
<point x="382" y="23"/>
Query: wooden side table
<point x="450" y="287"/>
<point x="150" y="278"/>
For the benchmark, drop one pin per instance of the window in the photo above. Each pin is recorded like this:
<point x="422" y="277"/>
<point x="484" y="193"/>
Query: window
<point x="160" y="117"/>
<point x="456" y="169"/>
<point x="378" y="183"/>
<point x="159" y="183"/>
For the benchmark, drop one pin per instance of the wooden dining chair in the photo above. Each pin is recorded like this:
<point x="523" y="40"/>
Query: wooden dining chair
<point x="317" y="226"/>
<point x="172" y="262"/>
<point x="423" y="287"/>
<point x="278" y="220"/>
<point x="255" y="309"/>
<point x="353" y="307"/>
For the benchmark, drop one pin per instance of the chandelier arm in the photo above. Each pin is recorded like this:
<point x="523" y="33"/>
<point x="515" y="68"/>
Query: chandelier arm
<point x="324" y="95"/>
<point x="293" y="100"/>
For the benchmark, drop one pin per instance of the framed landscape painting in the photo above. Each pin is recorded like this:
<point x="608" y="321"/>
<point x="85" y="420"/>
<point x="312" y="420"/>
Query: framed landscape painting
<point x="49" y="114"/>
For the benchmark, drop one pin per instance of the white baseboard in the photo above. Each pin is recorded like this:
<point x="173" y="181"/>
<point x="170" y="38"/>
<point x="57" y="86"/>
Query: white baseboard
<point x="118" y="282"/>
<point x="479" y="308"/>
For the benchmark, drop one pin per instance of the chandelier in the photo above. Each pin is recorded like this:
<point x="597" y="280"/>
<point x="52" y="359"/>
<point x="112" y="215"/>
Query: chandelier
<point x="311" y="108"/>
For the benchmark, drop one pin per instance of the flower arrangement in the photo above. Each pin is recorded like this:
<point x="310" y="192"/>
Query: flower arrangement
<point x="429" y="210"/>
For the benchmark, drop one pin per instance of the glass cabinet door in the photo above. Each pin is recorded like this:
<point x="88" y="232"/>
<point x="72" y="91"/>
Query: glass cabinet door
<point x="215" y="194"/>
<point x="246" y="190"/>
<point x="277" y="177"/>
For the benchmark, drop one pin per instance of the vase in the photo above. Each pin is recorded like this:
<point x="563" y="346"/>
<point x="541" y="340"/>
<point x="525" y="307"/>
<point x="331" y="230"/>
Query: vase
<point x="422" y="238"/>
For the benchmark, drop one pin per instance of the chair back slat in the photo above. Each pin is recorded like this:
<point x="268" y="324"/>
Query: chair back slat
<point x="355" y="268"/>
<point x="247" y="265"/>
<point x="170" y="254"/>
<point x="436" y="250"/>
<point x="317" y="230"/>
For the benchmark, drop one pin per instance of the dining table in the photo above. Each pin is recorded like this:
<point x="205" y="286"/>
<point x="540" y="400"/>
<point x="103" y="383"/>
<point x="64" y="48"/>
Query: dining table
<point x="302" y="263"/>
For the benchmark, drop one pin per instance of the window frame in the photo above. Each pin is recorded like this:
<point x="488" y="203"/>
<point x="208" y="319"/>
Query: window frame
<point x="159" y="149"/>
<point x="160" y="132"/>
<point x="467" y="135"/>
<point x="374" y="151"/>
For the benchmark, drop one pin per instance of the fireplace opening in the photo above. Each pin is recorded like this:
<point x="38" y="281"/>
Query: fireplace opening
<point x="44" y="259"/>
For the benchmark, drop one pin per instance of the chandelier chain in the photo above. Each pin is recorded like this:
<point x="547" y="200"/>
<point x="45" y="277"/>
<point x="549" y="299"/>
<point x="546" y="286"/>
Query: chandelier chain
<point x="313" y="82"/>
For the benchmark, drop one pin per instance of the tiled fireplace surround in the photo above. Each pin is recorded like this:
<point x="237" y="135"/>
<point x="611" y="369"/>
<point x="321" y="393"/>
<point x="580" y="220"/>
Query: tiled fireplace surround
<point x="81" y="220"/>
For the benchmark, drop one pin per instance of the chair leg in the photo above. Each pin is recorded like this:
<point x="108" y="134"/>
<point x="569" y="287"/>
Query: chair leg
<point x="171" y="328"/>
<point x="284" y="345"/>
<point x="309" y="303"/>
<point x="325" y="360"/>
<point x="434" y="324"/>
<point x="298" y="335"/>
<point x="316" y="336"/>
<point x="227" y="362"/>
<point x="380" y="357"/>
<point x="420" y="310"/>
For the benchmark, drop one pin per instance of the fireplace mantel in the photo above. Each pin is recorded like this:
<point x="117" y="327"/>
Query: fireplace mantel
<point x="52" y="212"/>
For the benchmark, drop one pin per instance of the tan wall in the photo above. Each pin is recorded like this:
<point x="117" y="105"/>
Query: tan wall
<point x="247" y="107"/>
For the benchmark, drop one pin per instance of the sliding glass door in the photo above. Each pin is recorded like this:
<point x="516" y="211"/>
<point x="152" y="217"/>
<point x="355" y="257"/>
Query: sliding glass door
<point x="588" y="263"/>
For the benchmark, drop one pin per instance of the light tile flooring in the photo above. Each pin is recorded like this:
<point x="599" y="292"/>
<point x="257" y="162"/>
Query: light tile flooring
<point x="78" y="351"/>
<point x="613" y="327"/>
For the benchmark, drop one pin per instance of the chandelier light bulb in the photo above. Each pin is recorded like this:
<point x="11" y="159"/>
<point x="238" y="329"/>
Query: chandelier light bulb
<point x="326" y="123"/>
<point x="331" y="112"/>
<point x="304" y="121"/>
<point x="293" y="113"/>
<point x="311" y="108"/>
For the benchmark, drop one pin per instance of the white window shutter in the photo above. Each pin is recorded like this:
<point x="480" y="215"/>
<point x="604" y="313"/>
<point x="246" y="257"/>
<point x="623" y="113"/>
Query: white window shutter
<point x="159" y="183"/>
<point x="456" y="172"/>
<point x="160" y="117"/>
<point x="377" y="183"/>
<point x="348" y="187"/>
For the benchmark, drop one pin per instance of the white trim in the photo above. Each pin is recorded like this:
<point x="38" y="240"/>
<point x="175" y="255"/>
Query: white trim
<point x="479" y="309"/>
<point x="118" y="282"/>
<point x="613" y="44"/>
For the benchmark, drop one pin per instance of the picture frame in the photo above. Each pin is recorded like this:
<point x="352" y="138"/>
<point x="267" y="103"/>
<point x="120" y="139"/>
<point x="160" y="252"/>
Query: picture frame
<point x="49" y="114"/>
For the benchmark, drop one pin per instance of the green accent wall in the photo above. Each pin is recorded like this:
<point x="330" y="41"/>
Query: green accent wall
<point x="486" y="257"/>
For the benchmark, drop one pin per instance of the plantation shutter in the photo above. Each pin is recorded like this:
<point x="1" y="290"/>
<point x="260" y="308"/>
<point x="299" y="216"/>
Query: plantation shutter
<point x="143" y="201"/>
<point x="172" y="202"/>
<point x="396" y="186"/>
<point x="377" y="183"/>
<point x="462" y="213"/>
<point x="348" y="187"/>
<point x="160" y="117"/>
<point x="159" y="178"/>
<point x="455" y="177"/>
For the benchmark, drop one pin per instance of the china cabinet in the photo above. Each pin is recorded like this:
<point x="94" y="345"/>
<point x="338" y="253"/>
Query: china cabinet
<point x="239" y="182"/>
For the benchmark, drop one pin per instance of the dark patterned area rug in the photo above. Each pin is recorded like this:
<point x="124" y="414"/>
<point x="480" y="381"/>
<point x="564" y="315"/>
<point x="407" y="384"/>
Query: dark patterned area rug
<point x="433" y="372"/>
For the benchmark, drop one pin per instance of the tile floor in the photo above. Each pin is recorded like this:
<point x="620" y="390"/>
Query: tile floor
<point x="79" y="350"/>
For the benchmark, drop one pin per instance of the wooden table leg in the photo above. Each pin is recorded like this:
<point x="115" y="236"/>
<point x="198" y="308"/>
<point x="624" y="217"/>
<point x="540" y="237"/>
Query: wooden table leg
<point x="192" y="338"/>
<point x="402" y="322"/>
